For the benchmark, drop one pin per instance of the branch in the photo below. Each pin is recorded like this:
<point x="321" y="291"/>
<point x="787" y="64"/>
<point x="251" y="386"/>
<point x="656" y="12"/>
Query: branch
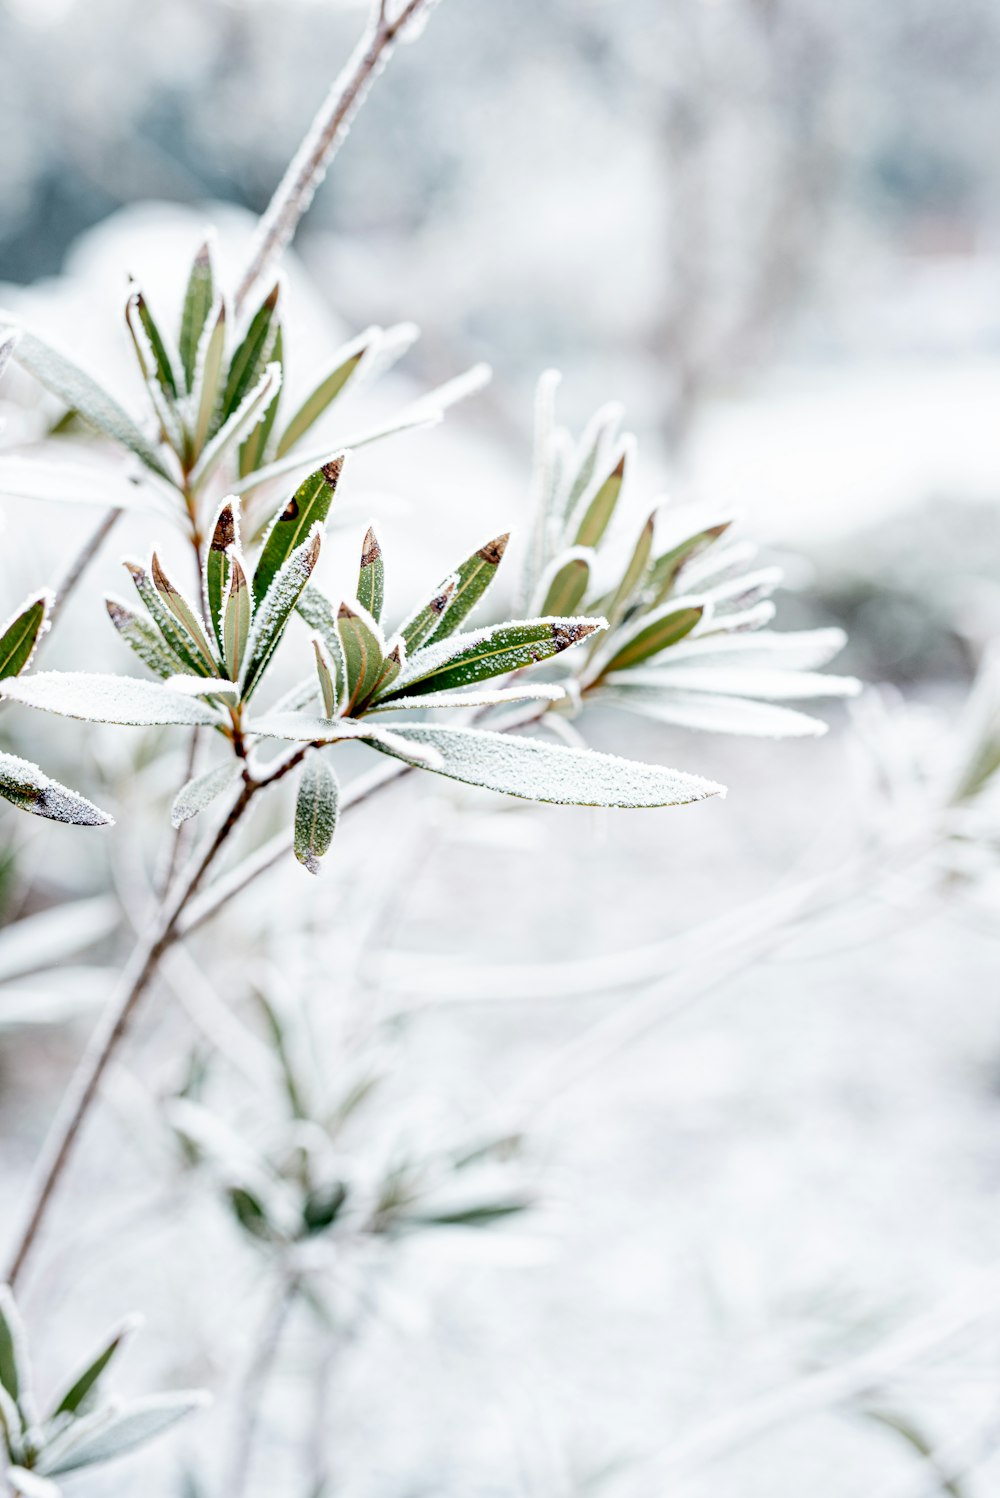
<point x="325" y="135"/>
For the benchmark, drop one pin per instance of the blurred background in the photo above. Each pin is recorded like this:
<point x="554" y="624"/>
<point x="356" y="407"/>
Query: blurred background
<point x="771" y="228"/>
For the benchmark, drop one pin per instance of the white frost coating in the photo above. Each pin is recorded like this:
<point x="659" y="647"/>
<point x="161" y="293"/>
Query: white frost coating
<point x="82" y="393"/>
<point x="140" y="1421"/>
<point x="276" y="606"/>
<point x="553" y="569"/>
<point x="44" y="596"/>
<point x="426" y="662"/>
<point x="797" y="650"/>
<point x="409" y="420"/>
<point x="539" y="771"/>
<point x="203" y="686"/>
<point x="26" y="786"/>
<point x="302" y="729"/>
<point x="546" y="692"/>
<point x="99" y="698"/>
<point x="316" y="809"/>
<point x="718" y="561"/>
<point x="732" y="681"/>
<point x="747" y="619"/>
<point x="30" y="1484"/>
<point x="77" y="483"/>
<point x="8" y="343"/>
<point x="435" y="402"/>
<point x="750" y="585"/>
<point x="202" y="791"/>
<point x="246" y="416"/>
<point x="718" y="714"/>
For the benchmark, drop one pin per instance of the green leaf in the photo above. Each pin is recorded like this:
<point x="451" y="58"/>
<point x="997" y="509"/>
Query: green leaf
<point x="81" y="393"/>
<point x="391" y="667"/>
<point x="667" y="566"/>
<point x="714" y="713"/>
<point x="327" y="673"/>
<point x="97" y="698"/>
<point x="318" y="612"/>
<point x="737" y="680"/>
<point x="83" y="1387"/>
<point x="203" y="790"/>
<point x="473" y="697"/>
<point x="14" y="1373"/>
<point x="474" y="577"/>
<point x="363" y="645"/>
<point x="315" y="812"/>
<point x="423" y="624"/>
<point x="185" y="614"/>
<point x="21" y="634"/>
<point x="565" y="582"/>
<point x="198" y="300"/>
<point x="325" y="393"/>
<point x="208" y="374"/>
<point x="11" y="1429"/>
<point x="253" y="354"/>
<point x="651" y="634"/>
<point x="254" y="449"/>
<point x="237" y="617"/>
<point x="225" y="533"/>
<point x="310" y="503"/>
<point x="277" y="605"/>
<point x="598" y="510"/>
<point x="371" y="576"/>
<point x="139" y="1422"/>
<point x="163" y="367"/>
<point x="599" y="437"/>
<point x="632" y="577"/>
<point x="139" y="634"/>
<point x="244" y="419"/>
<point x="25" y="786"/>
<point x="539" y="771"/>
<point x="465" y="659"/>
<point x="178" y="639"/>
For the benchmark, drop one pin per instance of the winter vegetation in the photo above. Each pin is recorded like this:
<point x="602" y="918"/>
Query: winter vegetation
<point x="315" y="1021"/>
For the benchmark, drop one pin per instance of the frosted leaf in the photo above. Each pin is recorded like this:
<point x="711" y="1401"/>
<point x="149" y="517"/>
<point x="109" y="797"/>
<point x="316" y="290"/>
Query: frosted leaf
<point x="755" y="617"/>
<point x="81" y="393"/>
<point x="82" y="1389"/>
<point x="463" y="659"/>
<point x="498" y="697"/>
<point x="718" y="714"/>
<point x="734" y="681"/>
<point x="24" y="785"/>
<point x="649" y="634"/>
<point x="409" y="420"/>
<point x="140" y="1421"/>
<point x="74" y="483"/>
<point x="203" y="686"/>
<point x="99" y="698"/>
<point x="340" y="374"/>
<point x="422" y="625"/>
<point x="315" y="812"/>
<point x="564" y="582"/>
<point x="276" y="607"/>
<point x="593" y="453"/>
<point x="745" y="591"/>
<point x="52" y="936"/>
<point x="15" y="1368"/>
<point x="246" y="416"/>
<point x="796" y="650"/>
<point x="20" y="635"/>
<point x="224" y="532"/>
<point x="540" y="771"/>
<point x="174" y="633"/>
<point x="203" y="790"/>
<point x="364" y="650"/>
<point x="186" y="615"/>
<point x="8" y="343"/>
<point x="293" y="522"/>
<point x="717" y="563"/>
<point x="30" y="1484"/>
<point x="205" y="392"/>
<point x="472" y="581"/>
<point x="596" y="507"/>
<point x="435" y="402"/>
<point x="304" y="729"/>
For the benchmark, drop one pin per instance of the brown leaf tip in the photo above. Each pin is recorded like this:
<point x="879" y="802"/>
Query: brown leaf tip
<point x="371" y="551"/>
<point x="271" y="300"/>
<point x="204" y="256"/>
<point x="345" y="612"/>
<point x="618" y="472"/>
<point x="396" y="654"/>
<point x="493" y="551"/>
<point x="225" y="529"/>
<point x="568" y="634"/>
<point x="333" y="469"/>
<point x="160" y="578"/>
<point x="118" y="614"/>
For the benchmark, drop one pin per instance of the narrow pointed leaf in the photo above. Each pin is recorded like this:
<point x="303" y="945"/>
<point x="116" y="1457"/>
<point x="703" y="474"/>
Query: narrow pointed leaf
<point x="421" y="626"/>
<point x="371" y="576"/>
<point x="795" y="650"/>
<point x="564" y="583"/>
<point x="81" y="393"/>
<point x="333" y="383"/>
<point x="27" y="1484"/>
<point x="634" y="574"/>
<point x="237" y="616"/>
<point x="474" y="577"/>
<point x="176" y="637"/>
<point x="717" y="714"/>
<point x="276" y="607"/>
<point x="141" y="637"/>
<point x="225" y="533"/>
<point x="25" y="786"/>
<point x="214" y="687"/>
<point x="391" y="667"/>
<point x="19" y="637"/>
<point x="198" y="300"/>
<point x="593" y="453"/>
<point x="83" y="1386"/>
<point x="163" y="365"/>
<point x="320" y="614"/>
<point x="13" y="1347"/>
<point x="315" y="812"/>
<point x="236" y="426"/>
<point x="310" y="503"/>
<point x="538" y="771"/>
<point x="666" y="567"/>
<point x="326" y="671"/>
<point x="139" y="1422"/>
<point x="652" y="634"/>
<point x="184" y="612"/>
<point x="203" y="790"/>
<point x="739" y="681"/>
<point x="97" y="698"/>
<point x="254" y="449"/>
<point x="208" y="374"/>
<point x="598" y="510"/>
<point x="253" y="354"/>
<point x="475" y="697"/>
<point x="364" y="653"/>
<point x="463" y="660"/>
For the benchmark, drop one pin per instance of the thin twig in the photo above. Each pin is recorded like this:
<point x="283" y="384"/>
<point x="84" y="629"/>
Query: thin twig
<point x="309" y="166"/>
<point x="254" y="1384"/>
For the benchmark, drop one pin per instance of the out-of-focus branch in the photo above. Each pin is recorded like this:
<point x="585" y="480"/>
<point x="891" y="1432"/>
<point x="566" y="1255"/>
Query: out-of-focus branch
<point x="308" y="167"/>
<point x="83" y="559"/>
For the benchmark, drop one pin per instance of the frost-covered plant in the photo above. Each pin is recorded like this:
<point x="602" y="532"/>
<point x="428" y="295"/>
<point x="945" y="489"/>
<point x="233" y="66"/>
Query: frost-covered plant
<point x="81" y="1427"/>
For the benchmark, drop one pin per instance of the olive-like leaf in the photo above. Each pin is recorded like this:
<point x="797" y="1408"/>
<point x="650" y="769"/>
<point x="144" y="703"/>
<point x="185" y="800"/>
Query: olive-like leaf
<point x="225" y="533"/>
<point x="254" y="449"/>
<point x="81" y="1390"/>
<point x="632" y="578"/>
<point x="321" y="616"/>
<point x="275" y="608"/>
<point x="19" y="637"/>
<point x="25" y="786"/>
<point x="344" y="366"/>
<point x="177" y="638"/>
<point x="140" y="1421"/>
<point x="371" y="576"/>
<point x="422" y="624"/>
<point x="309" y="504"/>
<point x="99" y="698"/>
<point x="198" y="299"/>
<point x="141" y="637"/>
<point x="253" y="354"/>
<point x="248" y="414"/>
<point x="465" y="659"/>
<point x="653" y="633"/>
<point x="326" y="671"/>
<point x="163" y="364"/>
<point x="565" y="581"/>
<point x="597" y="510"/>
<point x="364" y="650"/>
<point x="474" y="577"/>
<point x="184" y="612"/>
<point x="14" y="1371"/>
<point x="538" y="771"/>
<point x="315" y="811"/>
<point x="669" y="563"/>
<point x="715" y="713"/>
<point x="208" y="374"/>
<point x="237" y="616"/>
<point x="203" y="790"/>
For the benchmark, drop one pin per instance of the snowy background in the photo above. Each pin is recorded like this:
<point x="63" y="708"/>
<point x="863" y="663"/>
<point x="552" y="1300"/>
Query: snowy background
<point x="752" y="1048"/>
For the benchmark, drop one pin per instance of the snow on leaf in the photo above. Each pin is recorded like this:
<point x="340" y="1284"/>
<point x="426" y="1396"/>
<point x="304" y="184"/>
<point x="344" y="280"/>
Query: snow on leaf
<point x="717" y="714"/>
<point x="371" y="575"/>
<point x="237" y="615"/>
<point x="651" y="633"/>
<point x="292" y="524"/>
<point x="331" y="384"/>
<point x="8" y="343"/>
<point x="224" y="532"/>
<point x="474" y="578"/>
<point x="208" y="371"/>
<point x="203" y="686"/>
<point x="476" y="697"/>
<point x="253" y="354"/>
<point x="50" y="937"/>
<point x="538" y="771"/>
<point x="203" y="790"/>
<point x="315" y="812"/>
<point x="30" y="1484"/>
<point x="15" y="1373"/>
<point x="422" y="625"/>
<point x="19" y="637"/>
<point x="364" y="650"/>
<point x="139" y="634"/>
<point x="75" y="483"/>
<point x="737" y="681"/>
<point x="464" y="659"/>
<point x="185" y="614"/>
<point x="83" y="1387"/>
<point x="198" y="300"/>
<point x="563" y="585"/>
<point x="236" y="427"/>
<point x="595" y="510"/>
<point x="99" y="698"/>
<point x="276" y="607"/>
<point x="174" y="634"/>
<point x="140" y="1421"/>
<point x="795" y="650"/>
<point x="24" y="785"/>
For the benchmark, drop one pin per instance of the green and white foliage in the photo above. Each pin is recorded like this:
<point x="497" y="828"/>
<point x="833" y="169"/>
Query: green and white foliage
<point x="22" y="783"/>
<point x="688" y="612"/>
<point x="78" y="1427"/>
<point x="215" y="409"/>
